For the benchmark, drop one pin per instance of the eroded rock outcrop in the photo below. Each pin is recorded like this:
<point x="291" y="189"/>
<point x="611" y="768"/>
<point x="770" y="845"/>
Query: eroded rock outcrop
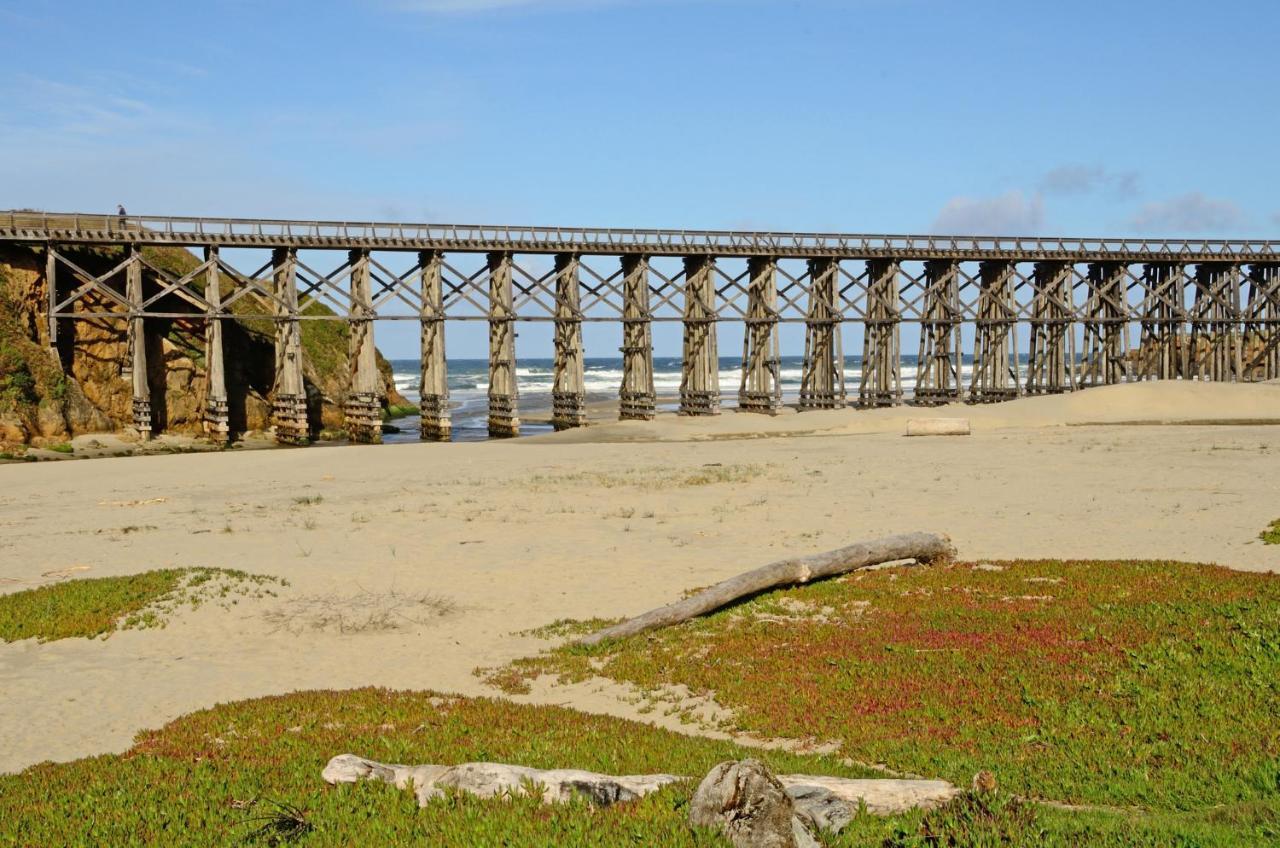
<point x="49" y="395"/>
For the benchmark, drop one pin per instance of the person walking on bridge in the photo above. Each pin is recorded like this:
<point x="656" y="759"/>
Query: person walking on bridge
<point x="121" y="214"/>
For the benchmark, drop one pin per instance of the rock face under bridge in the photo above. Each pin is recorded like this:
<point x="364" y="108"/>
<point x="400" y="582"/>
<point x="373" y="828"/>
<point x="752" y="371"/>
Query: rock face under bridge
<point x="86" y="388"/>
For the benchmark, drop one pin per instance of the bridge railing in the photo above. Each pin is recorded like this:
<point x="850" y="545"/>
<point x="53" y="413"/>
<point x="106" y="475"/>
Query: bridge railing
<point x="49" y="226"/>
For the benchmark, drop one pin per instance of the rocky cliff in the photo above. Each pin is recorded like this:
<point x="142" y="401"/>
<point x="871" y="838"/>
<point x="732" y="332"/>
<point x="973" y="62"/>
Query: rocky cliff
<point x="46" y="398"/>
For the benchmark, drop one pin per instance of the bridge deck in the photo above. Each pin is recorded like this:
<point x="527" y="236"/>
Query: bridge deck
<point x="76" y="228"/>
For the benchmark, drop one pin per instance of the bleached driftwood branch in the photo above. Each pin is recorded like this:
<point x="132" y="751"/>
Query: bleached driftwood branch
<point x="825" y="803"/>
<point x="922" y="547"/>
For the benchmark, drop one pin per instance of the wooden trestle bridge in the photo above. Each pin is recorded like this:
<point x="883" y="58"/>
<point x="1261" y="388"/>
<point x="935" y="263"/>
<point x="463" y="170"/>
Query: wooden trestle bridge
<point x="1097" y="311"/>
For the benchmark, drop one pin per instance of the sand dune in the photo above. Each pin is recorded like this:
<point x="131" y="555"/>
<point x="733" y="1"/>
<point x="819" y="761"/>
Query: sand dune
<point x="518" y="534"/>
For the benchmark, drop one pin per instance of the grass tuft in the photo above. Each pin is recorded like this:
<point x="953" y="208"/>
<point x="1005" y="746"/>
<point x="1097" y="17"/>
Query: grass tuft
<point x="1271" y="536"/>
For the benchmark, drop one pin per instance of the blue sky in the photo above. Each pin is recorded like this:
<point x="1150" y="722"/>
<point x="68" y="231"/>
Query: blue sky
<point x="1076" y="118"/>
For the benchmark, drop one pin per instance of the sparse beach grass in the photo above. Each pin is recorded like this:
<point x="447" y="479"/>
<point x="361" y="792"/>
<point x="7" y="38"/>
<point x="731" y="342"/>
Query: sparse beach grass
<point x="98" y="606"/>
<point x="1271" y="536"/>
<point x="1150" y="685"/>
<point x="654" y="478"/>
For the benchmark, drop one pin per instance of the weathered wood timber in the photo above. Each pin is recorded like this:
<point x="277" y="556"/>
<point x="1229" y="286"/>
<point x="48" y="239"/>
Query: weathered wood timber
<point x="1052" y="353"/>
<point x="636" y="395"/>
<point x="1106" y="348"/>
<point x="504" y="418"/>
<point x="217" y="417"/>
<point x="137" y="368"/>
<point x="822" y="380"/>
<point x="995" y="350"/>
<point x="568" y="394"/>
<point x="922" y="547"/>
<point x="433" y="404"/>
<point x="761" y="386"/>
<point x="700" y="364"/>
<point x="822" y="802"/>
<point x="938" y="363"/>
<point x="881" y="383"/>
<point x="289" y="394"/>
<point x="364" y="402"/>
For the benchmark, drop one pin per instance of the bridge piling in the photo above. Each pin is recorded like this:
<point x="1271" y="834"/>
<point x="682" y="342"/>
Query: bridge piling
<point x="1105" y="359"/>
<point x="700" y="364"/>
<point x="1214" y="347"/>
<point x="1161" y="347"/>
<point x="433" y="389"/>
<point x="1051" y="355"/>
<point x="761" y="389"/>
<point x="363" y="407"/>
<point x="938" y="362"/>
<point x="822" y="376"/>
<point x="503" y="393"/>
<point x="51" y="300"/>
<point x="1262" y="327"/>
<point x="289" y="393"/>
<point x="636" y="394"/>
<point x="217" y="419"/>
<point x="137" y="346"/>
<point x="881" y="383"/>
<point x="994" y="378"/>
<point x="568" y="393"/>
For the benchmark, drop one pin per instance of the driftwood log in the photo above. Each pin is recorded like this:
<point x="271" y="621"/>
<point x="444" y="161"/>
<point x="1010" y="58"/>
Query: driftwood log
<point x="818" y="801"/>
<point x="922" y="547"/>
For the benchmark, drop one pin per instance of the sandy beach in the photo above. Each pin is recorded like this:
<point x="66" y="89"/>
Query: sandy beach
<point x="606" y="521"/>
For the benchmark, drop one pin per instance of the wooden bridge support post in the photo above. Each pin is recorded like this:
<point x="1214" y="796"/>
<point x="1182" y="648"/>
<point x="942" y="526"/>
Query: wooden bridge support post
<point x="822" y="379"/>
<point x="637" y="395"/>
<point x="217" y="418"/>
<point x="1051" y="357"/>
<point x="1106" y="326"/>
<point x="1262" y="323"/>
<point x="433" y="390"/>
<point x="881" y="383"/>
<point x="51" y="300"/>
<point x="1215" y="349"/>
<point x="137" y="346"/>
<point x="568" y="392"/>
<point x="994" y="377"/>
<point x="761" y="388"/>
<point x="938" y="363"/>
<point x="700" y="363"/>
<point x="1161" y="350"/>
<point x="289" y="394"/>
<point x="363" y="407"/>
<point x="504" y="417"/>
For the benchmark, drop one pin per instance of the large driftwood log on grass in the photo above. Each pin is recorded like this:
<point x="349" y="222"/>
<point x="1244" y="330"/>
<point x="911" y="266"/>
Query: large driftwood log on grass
<point x="487" y="780"/>
<point x="922" y="547"/>
<point x="818" y="801"/>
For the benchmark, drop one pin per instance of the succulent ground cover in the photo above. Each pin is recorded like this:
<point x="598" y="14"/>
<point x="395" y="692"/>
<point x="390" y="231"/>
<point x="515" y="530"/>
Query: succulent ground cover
<point x="98" y="606"/>
<point x="249" y="773"/>
<point x="1151" y="685"/>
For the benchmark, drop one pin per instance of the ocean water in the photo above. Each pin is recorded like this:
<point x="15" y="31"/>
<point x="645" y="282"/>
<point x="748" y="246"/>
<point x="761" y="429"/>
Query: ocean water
<point x="469" y="386"/>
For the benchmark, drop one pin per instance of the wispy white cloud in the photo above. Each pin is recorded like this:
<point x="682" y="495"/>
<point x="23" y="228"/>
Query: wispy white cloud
<point x="42" y="109"/>
<point x="1085" y="179"/>
<point x="472" y="6"/>
<point x="1011" y="213"/>
<point x="1190" y="213"/>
